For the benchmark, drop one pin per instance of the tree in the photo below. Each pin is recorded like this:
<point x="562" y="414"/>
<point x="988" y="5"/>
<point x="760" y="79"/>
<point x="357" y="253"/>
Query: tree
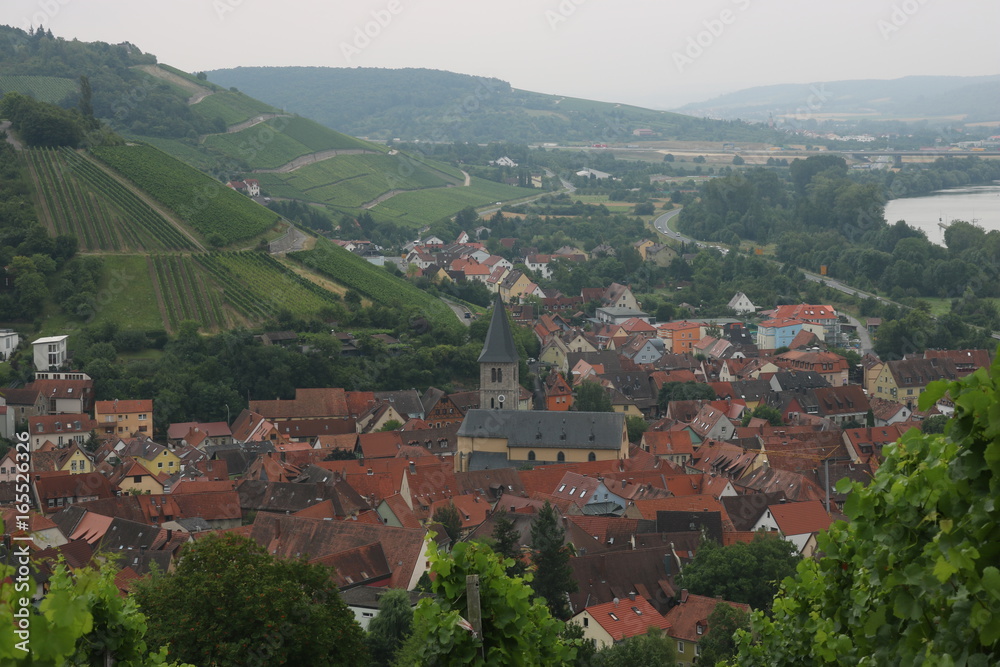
<point x="83" y="620"/>
<point x="762" y="411"/>
<point x="507" y="542"/>
<point x="742" y="572"/>
<point x="652" y="648"/>
<point x="391" y="425"/>
<point x="912" y="578"/>
<point x="685" y="391"/>
<point x="449" y="519"/>
<point x="516" y="628"/>
<point x="934" y="424"/>
<point x="636" y="426"/>
<point x="720" y="641"/>
<point x="229" y="602"/>
<point x="591" y="397"/>
<point x="390" y="628"/>
<point x="553" y="579"/>
<point x="738" y="160"/>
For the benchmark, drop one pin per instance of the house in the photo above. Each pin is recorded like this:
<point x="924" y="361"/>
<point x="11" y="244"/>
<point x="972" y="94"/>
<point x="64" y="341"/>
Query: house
<point x="558" y="394"/>
<point x="503" y="436"/>
<point x="830" y="366"/>
<point x="888" y="412"/>
<point x="641" y="247"/>
<point x="711" y="423"/>
<point x="24" y="403"/>
<point x="689" y="623"/>
<point x="311" y="403"/>
<point x="363" y="600"/>
<point x="619" y="314"/>
<point x="742" y="304"/>
<point x="53" y="491"/>
<point x="198" y="434"/>
<point x="539" y="264"/>
<point x="904" y="380"/>
<point x="133" y="477"/>
<point x="824" y="316"/>
<point x="72" y="459"/>
<point x="612" y="622"/>
<point x="155" y="457"/>
<point x="60" y="430"/>
<point x="124" y="418"/>
<point x="680" y="336"/>
<point x="775" y="333"/>
<point x="514" y="285"/>
<point x="661" y="254"/>
<point x="49" y="352"/>
<point x="797" y="522"/>
<point x="643" y="350"/>
<point x="674" y="446"/>
<point x="8" y="343"/>
<point x="65" y="392"/>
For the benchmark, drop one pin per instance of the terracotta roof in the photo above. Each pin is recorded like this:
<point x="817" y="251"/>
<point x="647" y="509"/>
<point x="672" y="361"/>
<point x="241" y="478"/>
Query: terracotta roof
<point x="692" y="611"/>
<point x="800" y="518"/>
<point x="77" y="486"/>
<point x="291" y="537"/>
<point x="666" y="443"/>
<point x="379" y="445"/>
<point x="307" y="403"/>
<point x="359" y="401"/>
<point x="120" y="406"/>
<point x="61" y="423"/>
<point x="627" y="618"/>
<point x="79" y="389"/>
<point x="360" y="565"/>
<point x="472" y="509"/>
<point x="401" y="510"/>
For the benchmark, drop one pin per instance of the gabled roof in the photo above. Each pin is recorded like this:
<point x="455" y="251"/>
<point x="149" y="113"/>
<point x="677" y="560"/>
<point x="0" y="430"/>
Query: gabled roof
<point x="800" y="518"/>
<point x="627" y="618"/>
<point x="308" y="402"/>
<point x="570" y="430"/>
<point x="499" y="345"/>
<point x="692" y="611"/>
<point x="358" y="566"/>
<point x="123" y="406"/>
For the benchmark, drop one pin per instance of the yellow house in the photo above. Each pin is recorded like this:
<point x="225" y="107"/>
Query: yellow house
<point x="75" y="461"/>
<point x="135" y="478"/>
<point x="642" y="246"/>
<point x="124" y="418"/>
<point x="491" y="437"/>
<point x="903" y="380"/>
<point x="555" y="354"/>
<point x="514" y="285"/>
<point x="153" y="456"/>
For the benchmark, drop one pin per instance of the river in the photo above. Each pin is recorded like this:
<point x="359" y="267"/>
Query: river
<point x="979" y="203"/>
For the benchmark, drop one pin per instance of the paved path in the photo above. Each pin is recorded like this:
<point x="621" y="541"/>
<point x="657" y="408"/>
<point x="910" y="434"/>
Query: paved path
<point x="5" y="127"/>
<point x="294" y="239"/>
<point x="198" y="93"/>
<point x="311" y="158"/>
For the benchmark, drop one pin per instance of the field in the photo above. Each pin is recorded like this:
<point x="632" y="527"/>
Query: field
<point x="374" y="282"/>
<point x="186" y="294"/>
<point x="258" y="286"/>
<point x="278" y="141"/>
<point x="43" y="88"/>
<point x="424" y="207"/>
<point x="210" y="207"/>
<point x="231" y="107"/>
<point x="349" y="181"/>
<point x="82" y="200"/>
<point x="128" y="296"/>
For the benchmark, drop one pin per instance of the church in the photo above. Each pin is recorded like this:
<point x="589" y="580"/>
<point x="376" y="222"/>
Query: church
<point x="498" y="435"/>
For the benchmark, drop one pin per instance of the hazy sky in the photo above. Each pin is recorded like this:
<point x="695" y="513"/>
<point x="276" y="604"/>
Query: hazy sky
<point x="652" y="53"/>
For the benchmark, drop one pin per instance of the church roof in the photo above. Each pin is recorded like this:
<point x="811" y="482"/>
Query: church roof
<point x="499" y="345"/>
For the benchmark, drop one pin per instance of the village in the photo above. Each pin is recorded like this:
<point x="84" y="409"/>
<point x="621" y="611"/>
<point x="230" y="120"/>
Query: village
<point x="737" y="434"/>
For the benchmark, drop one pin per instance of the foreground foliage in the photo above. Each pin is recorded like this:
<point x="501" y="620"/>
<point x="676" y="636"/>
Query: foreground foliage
<point x="517" y="628"/>
<point x="913" y="578"/>
<point x="81" y="621"/>
<point x="229" y="602"/>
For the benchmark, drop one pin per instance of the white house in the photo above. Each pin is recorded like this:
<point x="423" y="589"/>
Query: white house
<point x="505" y="162"/>
<point x="50" y="352"/>
<point x="797" y="522"/>
<point x="741" y="304"/>
<point x="8" y="343"/>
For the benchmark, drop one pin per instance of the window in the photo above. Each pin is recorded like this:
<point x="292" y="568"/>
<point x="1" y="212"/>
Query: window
<point x="159" y="464"/>
<point x="612" y="615"/>
<point x="72" y="466"/>
<point x="680" y="647"/>
<point x="493" y="375"/>
<point x="3" y="471"/>
<point x="499" y="375"/>
<point x="531" y="455"/>
<point x="586" y="622"/>
<point x="700" y="629"/>
<point x="368" y="614"/>
<point x="592" y="456"/>
<point x="142" y="417"/>
<point x="137" y="479"/>
<point x="560" y="457"/>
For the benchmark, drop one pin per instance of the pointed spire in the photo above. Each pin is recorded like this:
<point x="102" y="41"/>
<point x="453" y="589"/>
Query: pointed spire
<point x="499" y="346"/>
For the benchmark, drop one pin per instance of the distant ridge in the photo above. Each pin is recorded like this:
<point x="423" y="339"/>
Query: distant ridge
<point x="970" y="99"/>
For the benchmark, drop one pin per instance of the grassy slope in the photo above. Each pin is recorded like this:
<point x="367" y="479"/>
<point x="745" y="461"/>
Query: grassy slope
<point x="426" y="206"/>
<point x="43" y="88"/>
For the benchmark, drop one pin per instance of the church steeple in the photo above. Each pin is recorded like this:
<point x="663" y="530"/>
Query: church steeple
<point x="499" y="387"/>
<point x="499" y="346"/>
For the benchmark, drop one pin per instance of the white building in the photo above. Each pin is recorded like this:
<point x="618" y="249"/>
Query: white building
<point x="8" y="343"/>
<point x="741" y="304"/>
<point x="49" y="352"/>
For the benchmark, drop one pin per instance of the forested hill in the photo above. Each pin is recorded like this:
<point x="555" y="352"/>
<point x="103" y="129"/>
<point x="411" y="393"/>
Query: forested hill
<point x="972" y="98"/>
<point x="444" y="106"/>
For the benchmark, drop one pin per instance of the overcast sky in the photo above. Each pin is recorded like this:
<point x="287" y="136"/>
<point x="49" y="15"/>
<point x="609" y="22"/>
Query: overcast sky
<point x="653" y="53"/>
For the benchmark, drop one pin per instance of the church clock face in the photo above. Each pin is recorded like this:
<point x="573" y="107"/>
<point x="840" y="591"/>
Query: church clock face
<point x="501" y="398"/>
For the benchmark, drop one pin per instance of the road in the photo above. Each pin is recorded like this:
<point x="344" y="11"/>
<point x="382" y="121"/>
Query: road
<point x="5" y="127"/>
<point x="460" y="311"/>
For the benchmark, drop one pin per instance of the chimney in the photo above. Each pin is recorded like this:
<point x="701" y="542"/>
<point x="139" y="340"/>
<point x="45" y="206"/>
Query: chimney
<point x="631" y="596"/>
<point x="684" y="595"/>
<point x="370" y="472"/>
<point x="170" y="534"/>
<point x="413" y="468"/>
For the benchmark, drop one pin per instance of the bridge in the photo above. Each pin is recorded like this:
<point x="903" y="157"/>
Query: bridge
<point x="897" y="156"/>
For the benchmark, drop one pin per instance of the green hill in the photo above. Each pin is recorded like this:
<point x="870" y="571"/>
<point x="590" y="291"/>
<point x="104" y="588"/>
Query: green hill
<point x="444" y="106"/>
<point x="43" y="88"/>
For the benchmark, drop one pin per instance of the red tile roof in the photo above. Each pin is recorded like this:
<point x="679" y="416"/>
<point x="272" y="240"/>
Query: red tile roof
<point x="627" y="618"/>
<point x="692" y="611"/>
<point x="123" y="407"/>
<point x="307" y="403"/>
<point x="379" y="445"/>
<point x="800" y="518"/>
